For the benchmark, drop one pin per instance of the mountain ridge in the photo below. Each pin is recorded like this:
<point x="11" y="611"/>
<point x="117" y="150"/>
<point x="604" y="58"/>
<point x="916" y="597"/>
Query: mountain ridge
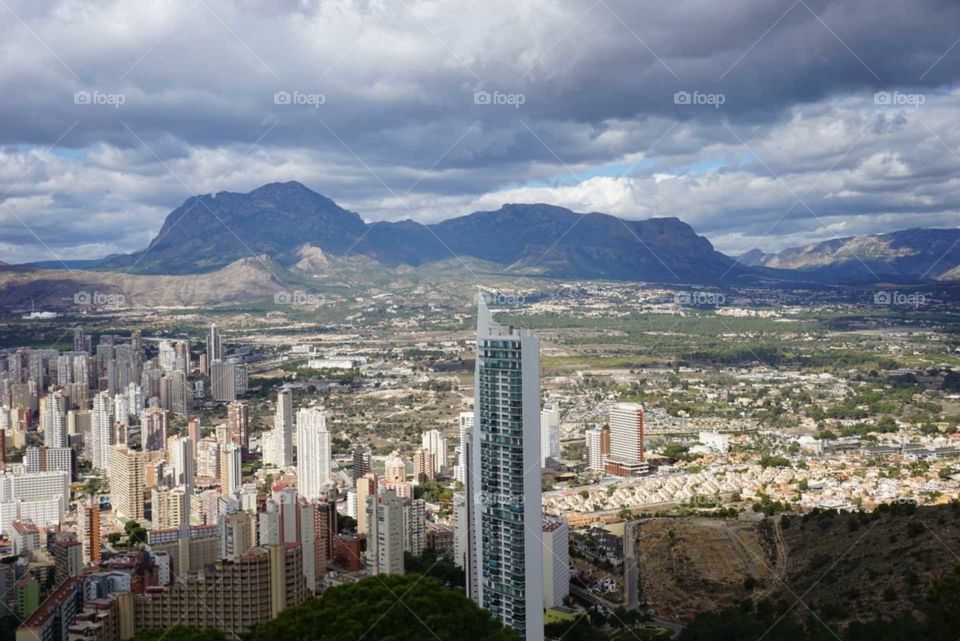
<point x="303" y="229"/>
<point x="279" y="219"/>
<point x="914" y="254"/>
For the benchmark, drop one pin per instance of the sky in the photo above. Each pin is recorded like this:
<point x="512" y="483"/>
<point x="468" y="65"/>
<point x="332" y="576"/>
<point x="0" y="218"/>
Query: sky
<point x="761" y="123"/>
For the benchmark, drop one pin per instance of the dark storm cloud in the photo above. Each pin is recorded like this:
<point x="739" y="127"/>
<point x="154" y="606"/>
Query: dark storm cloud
<point x="147" y="103"/>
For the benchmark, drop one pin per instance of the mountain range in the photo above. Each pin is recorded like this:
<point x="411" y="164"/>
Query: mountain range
<point x="208" y="232"/>
<point x="212" y="245"/>
<point x="910" y="255"/>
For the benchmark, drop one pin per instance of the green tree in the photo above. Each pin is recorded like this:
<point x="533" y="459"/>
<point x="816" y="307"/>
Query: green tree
<point x="400" y="608"/>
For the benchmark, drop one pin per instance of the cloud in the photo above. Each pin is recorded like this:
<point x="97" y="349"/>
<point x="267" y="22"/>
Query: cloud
<point x="115" y="112"/>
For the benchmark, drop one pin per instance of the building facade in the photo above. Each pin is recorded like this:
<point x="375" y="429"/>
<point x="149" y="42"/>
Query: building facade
<point x="506" y="474"/>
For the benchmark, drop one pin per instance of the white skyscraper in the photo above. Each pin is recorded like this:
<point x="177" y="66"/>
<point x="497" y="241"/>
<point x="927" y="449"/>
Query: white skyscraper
<point x="596" y="438"/>
<point x="549" y="433"/>
<point x="279" y="452"/>
<point x="466" y="425"/>
<point x="134" y="399"/>
<point x="556" y="561"/>
<point x="313" y="452"/>
<point x="506" y="473"/>
<point x="101" y="430"/>
<point x="54" y="420"/>
<point x="182" y="454"/>
<point x="433" y="442"/>
<point x="231" y="473"/>
<point x="214" y="345"/>
<point x="626" y="440"/>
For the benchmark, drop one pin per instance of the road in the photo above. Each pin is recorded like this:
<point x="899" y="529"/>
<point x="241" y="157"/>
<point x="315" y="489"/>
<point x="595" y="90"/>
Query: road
<point x="586" y="595"/>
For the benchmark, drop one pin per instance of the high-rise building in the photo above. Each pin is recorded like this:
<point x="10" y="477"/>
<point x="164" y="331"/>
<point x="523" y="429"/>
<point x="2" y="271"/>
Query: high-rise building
<point x="208" y="459"/>
<point x="214" y="346"/>
<point x="88" y="529"/>
<point x="101" y="430"/>
<point x="395" y="469"/>
<point x="67" y="553"/>
<point x="181" y="456"/>
<point x="626" y="440"/>
<point x="231" y="473"/>
<point x="598" y="447"/>
<point x="414" y="526"/>
<point x="49" y="459"/>
<point x="464" y="542"/>
<point x="506" y="472"/>
<point x="366" y="487"/>
<point x="325" y="525"/>
<point x="53" y="418"/>
<point x="238" y="534"/>
<point x="193" y="431"/>
<point x="361" y="462"/>
<point x="238" y="423"/>
<point x="465" y="551"/>
<point x="127" y="482"/>
<point x="79" y="339"/>
<point x="232" y="596"/>
<point x="313" y="453"/>
<point x="279" y="443"/>
<point x="465" y="423"/>
<point x="228" y="379"/>
<point x="170" y="507"/>
<point x="290" y="519"/>
<point x="556" y="561"/>
<point x="154" y="427"/>
<point x="433" y="442"/>
<point x="385" y="540"/>
<point x="176" y="393"/>
<point x="549" y="433"/>
<point x="424" y="468"/>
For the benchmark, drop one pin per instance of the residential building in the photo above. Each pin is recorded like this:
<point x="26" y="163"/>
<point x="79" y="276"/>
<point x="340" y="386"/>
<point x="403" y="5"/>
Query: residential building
<point x="278" y="450"/>
<point x="433" y="442"/>
<point x="627" y="456"/>
<point x="385" y="538"/>
<point x="549" y="433"/>
<point x="556" y="561"/>
<point x="598" y="447"/>
<point x="232" y="596"/>
<point x="314" y="461"/>
<point x="230" y="468"/>
<point x="127" y="482"/>
<point x="506" y="472"/>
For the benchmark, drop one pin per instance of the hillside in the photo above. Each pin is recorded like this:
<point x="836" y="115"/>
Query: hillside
<point x="241" y="281"/>
<point x="848" y="567"/>
<point x="910" y="255"/>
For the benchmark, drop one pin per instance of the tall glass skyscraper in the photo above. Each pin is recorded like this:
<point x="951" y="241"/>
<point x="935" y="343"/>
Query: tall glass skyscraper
<point x="505" y="475"/>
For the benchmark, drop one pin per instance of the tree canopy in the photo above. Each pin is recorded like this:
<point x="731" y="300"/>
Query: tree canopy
<point x="385" y="607"/>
